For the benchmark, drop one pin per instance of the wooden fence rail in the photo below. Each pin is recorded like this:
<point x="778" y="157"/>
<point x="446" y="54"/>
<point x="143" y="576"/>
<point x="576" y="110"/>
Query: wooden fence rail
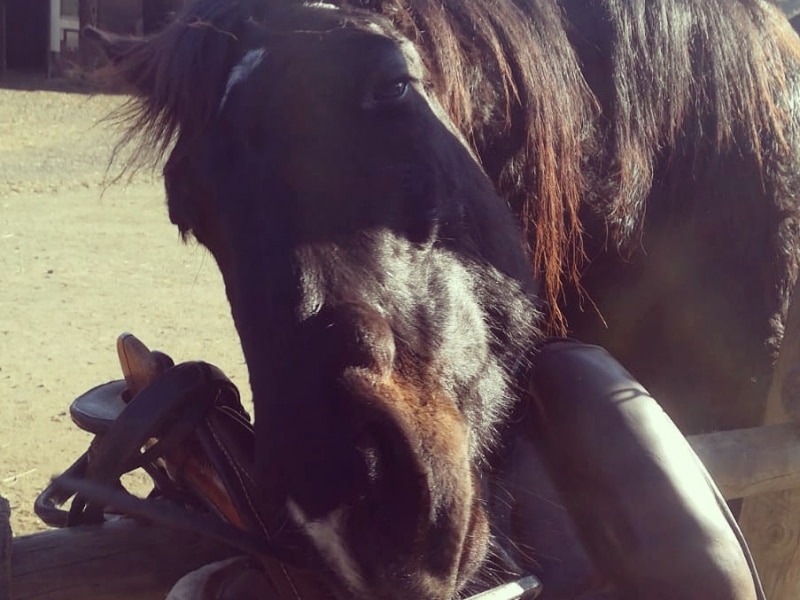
<point x="129" y="561"/>
<point x="123" y="560"/>
<point x="771" y="522"/>
<point x="749" y="462"/>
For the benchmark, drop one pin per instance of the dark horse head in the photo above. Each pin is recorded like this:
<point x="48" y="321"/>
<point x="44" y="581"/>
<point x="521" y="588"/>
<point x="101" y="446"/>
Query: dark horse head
<point x="378" y="285"/>
<point x="342" y="165"/>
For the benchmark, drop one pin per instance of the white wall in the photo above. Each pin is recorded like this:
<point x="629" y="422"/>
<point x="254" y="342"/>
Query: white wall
<point x="55" y="25"/>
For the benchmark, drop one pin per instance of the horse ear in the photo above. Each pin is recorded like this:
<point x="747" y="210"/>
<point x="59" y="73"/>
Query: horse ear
<point x="114" y="46"/>
<point x="117" y="48"/>
<point x="178" y="76"/>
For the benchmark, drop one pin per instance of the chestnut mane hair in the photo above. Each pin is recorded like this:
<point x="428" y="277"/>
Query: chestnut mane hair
<point x="567" y="103"/>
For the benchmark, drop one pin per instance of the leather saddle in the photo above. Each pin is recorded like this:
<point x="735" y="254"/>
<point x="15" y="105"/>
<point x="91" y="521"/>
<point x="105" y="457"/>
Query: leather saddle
<point x="594" y="495"/>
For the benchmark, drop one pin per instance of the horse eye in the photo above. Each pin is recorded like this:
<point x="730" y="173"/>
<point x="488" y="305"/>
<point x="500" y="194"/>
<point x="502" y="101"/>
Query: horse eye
<point x="391" y="90"/>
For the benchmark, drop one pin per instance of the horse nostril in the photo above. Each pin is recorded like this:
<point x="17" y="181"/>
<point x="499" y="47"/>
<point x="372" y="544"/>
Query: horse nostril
<point x="387" y="460"/>
<point x="351" y="335"/>
<point x="376" y="457"/>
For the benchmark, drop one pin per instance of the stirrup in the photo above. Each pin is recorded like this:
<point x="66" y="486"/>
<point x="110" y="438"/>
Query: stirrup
<point x="136" y="421"/>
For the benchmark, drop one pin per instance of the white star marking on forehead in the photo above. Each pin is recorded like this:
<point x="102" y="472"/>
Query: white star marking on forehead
<point x="323" y="5"/>
<point x="242" y="71"/>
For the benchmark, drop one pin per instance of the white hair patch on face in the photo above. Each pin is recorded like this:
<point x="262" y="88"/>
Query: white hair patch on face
<point x="243" y="69"/>
<point x="326" y="535"/>
<point x="323" y="5"/>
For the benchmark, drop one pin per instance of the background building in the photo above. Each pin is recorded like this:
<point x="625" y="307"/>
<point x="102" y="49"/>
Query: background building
<point x="44" y="35"/>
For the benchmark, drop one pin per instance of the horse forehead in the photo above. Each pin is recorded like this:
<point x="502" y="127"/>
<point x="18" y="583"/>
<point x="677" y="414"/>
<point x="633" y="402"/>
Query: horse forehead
<point x="321" y="27"/>
<point x="248" y="65"/>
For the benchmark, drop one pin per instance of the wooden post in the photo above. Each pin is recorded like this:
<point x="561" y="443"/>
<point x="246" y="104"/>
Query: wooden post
<point x="88" y="14"/>
<point x="121" y="560"/>
<point x="3" y="62"/>
<point x="5" y="549"/>
<point x="771" y="522"/>
<point x="749" y="462"/>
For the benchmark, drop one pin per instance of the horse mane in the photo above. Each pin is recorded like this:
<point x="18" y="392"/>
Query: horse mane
<point x="508" y="78"/>
<point x="710" y="75"/>
<point x="177" y="79"/>
<point x="568" y="103"/>
<point x="600" y="91"/>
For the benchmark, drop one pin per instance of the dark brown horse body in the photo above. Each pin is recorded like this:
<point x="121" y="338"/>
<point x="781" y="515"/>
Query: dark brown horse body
<point x="692" y="236"/>
<point x="345" y="166"/>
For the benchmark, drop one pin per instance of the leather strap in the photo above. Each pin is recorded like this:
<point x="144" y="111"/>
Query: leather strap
<point x="188" y="429"/>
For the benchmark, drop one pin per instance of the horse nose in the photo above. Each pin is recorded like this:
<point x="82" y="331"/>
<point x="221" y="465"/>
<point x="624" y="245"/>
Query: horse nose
<point x="350" y="335"/>
<point x="385" y="462"/>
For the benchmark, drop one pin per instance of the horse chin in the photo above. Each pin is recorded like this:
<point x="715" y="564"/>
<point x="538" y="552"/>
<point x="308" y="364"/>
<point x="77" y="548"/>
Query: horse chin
<point x="429" y="574"/>
<point x="422" y="481"/>
<point x="476" y="546"/>
<point x="400" y="516"/>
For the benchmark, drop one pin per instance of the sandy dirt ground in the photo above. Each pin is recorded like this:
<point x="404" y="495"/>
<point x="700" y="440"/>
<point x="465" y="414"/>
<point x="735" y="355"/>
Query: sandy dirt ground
<point x="80" y="263"/>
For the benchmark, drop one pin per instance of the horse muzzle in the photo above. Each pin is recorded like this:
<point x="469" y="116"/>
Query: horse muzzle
<point x="373" y="459"/>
